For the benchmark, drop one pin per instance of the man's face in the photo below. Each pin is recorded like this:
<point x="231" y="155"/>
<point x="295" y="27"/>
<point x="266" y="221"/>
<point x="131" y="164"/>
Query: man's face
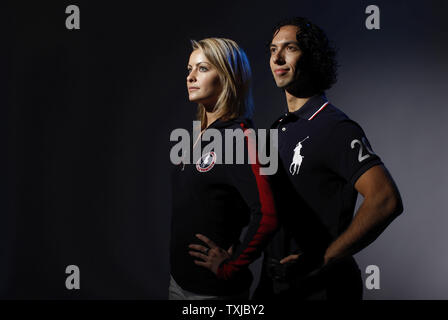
<point x="285" y="55"/>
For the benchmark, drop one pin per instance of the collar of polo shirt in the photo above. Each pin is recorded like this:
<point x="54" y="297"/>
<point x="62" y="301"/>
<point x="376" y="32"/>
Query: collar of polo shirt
<point x="311" y="108"/>
<point x="308" y="111"/>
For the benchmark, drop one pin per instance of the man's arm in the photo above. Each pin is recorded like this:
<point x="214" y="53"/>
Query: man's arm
<point x="381" y="205"/>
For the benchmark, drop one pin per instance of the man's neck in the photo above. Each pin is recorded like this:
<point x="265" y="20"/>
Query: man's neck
<point x="295" y="103"/>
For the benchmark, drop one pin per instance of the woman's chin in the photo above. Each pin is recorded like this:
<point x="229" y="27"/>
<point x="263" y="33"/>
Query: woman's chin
<point x="193" y="99"/>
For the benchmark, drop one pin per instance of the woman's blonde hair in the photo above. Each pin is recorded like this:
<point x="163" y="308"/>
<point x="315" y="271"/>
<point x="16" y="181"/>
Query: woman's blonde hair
<point x="235" y="75"/>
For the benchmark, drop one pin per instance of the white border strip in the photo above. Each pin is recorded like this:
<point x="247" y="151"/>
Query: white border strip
<point x="319" y="110"/>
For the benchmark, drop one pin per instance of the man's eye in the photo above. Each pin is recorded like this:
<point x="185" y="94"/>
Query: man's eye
<point x="273" y="50"/>
<point x="202" y="69"/>
<point x="291" y="48"/>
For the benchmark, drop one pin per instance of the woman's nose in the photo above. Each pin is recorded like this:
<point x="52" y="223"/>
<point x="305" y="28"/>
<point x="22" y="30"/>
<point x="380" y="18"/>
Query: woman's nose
<point x="191" y="77"/>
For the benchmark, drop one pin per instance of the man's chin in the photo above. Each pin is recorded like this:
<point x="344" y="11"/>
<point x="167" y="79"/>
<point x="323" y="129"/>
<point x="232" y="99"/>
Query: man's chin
<point x="282" y="84"/>
<point x="279" y="84"/>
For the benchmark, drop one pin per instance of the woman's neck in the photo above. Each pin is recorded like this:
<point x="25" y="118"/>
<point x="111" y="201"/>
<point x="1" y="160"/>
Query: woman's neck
<point x="211" y="117"/>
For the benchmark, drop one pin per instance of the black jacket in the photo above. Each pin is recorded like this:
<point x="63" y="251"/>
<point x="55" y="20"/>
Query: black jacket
<point x="218" y="201"/>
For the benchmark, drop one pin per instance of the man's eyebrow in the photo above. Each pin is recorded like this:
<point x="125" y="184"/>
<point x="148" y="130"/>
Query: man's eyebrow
<point x="285" y="43"/>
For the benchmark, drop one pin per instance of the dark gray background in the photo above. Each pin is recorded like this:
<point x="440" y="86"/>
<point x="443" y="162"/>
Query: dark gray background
<point x="87" y="116"/>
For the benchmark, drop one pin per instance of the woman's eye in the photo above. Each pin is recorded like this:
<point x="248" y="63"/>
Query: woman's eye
<point x="188" y="71"/>
<point x="203" y="69"/>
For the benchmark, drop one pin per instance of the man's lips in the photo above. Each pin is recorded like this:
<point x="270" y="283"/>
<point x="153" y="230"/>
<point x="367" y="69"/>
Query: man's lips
<point x="281" y="71"/>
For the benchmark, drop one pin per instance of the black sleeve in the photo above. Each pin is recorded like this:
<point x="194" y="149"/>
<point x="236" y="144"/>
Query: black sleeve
<point x="349" y="153"/>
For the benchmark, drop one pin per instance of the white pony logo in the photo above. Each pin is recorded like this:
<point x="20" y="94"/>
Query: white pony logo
<point x="297" y="158"/>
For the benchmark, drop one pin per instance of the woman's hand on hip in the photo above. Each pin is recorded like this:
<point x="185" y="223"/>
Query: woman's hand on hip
<point x="211" y="255"/>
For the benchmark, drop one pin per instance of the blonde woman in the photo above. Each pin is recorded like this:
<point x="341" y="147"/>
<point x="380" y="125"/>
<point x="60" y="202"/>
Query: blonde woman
<point x="216" y="201"/>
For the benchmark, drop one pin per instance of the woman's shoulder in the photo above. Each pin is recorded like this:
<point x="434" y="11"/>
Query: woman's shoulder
<point x="241" y="122"/>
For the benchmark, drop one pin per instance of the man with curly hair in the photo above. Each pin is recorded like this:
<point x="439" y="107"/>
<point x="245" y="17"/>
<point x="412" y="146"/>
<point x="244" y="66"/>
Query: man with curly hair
<point x="326" y="160"/>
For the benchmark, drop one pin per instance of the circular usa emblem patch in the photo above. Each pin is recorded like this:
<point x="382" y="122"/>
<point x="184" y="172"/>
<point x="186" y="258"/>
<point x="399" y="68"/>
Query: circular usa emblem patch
<point x="206" y="162"/>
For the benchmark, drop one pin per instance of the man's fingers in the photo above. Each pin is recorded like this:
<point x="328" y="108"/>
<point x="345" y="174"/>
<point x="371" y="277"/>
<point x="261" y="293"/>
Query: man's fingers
<point x="209" y="242"/>
<point x="290" y="258"/>
<point x="198" y="255"/>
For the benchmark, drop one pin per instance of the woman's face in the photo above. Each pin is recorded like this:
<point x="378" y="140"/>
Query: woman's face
<point x="203" y="83"/>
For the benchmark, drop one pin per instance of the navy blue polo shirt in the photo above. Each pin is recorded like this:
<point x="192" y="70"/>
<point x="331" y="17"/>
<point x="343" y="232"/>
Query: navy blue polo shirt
<point x="322" y="154"/>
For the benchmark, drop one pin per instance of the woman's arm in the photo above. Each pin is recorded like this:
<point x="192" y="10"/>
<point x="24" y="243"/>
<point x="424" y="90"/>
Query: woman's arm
<point x="256" y="191"/>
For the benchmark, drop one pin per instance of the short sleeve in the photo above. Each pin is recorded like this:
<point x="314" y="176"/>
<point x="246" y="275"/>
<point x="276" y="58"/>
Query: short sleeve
<point x="349" y="151"/>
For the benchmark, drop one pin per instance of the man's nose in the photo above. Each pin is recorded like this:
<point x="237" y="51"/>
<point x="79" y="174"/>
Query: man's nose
<point x="279" y="58"/>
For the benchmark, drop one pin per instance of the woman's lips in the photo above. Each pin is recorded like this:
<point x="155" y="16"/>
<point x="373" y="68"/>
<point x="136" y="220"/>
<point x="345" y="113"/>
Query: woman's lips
<point x="193" y="88"/>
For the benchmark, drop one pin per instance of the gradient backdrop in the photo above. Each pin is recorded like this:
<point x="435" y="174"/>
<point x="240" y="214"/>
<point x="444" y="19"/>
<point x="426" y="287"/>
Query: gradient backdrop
<point x="87" y="114"/>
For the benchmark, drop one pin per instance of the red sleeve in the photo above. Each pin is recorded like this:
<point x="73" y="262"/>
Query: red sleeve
<point x="256" y="191"/>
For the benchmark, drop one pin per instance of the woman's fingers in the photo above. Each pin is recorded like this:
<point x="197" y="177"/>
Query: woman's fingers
<point x="198" y="247"/>
<point x="202" y="264"/>
<point x="209" y="242"/>
<point x="198" y="255"/>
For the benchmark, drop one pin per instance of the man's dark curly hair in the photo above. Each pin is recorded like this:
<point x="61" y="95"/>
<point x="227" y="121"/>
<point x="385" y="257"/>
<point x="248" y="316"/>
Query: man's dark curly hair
<point x="318" y="58"/>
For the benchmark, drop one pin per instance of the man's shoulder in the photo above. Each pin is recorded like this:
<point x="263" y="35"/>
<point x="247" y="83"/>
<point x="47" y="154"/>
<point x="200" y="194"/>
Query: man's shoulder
<point x="333" y="117"/>
<point x="333" y="114"/>
<point x="334" y="124"/>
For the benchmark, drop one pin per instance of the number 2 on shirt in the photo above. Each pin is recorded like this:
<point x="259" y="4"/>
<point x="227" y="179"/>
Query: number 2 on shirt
<point x="361" y="156"/>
